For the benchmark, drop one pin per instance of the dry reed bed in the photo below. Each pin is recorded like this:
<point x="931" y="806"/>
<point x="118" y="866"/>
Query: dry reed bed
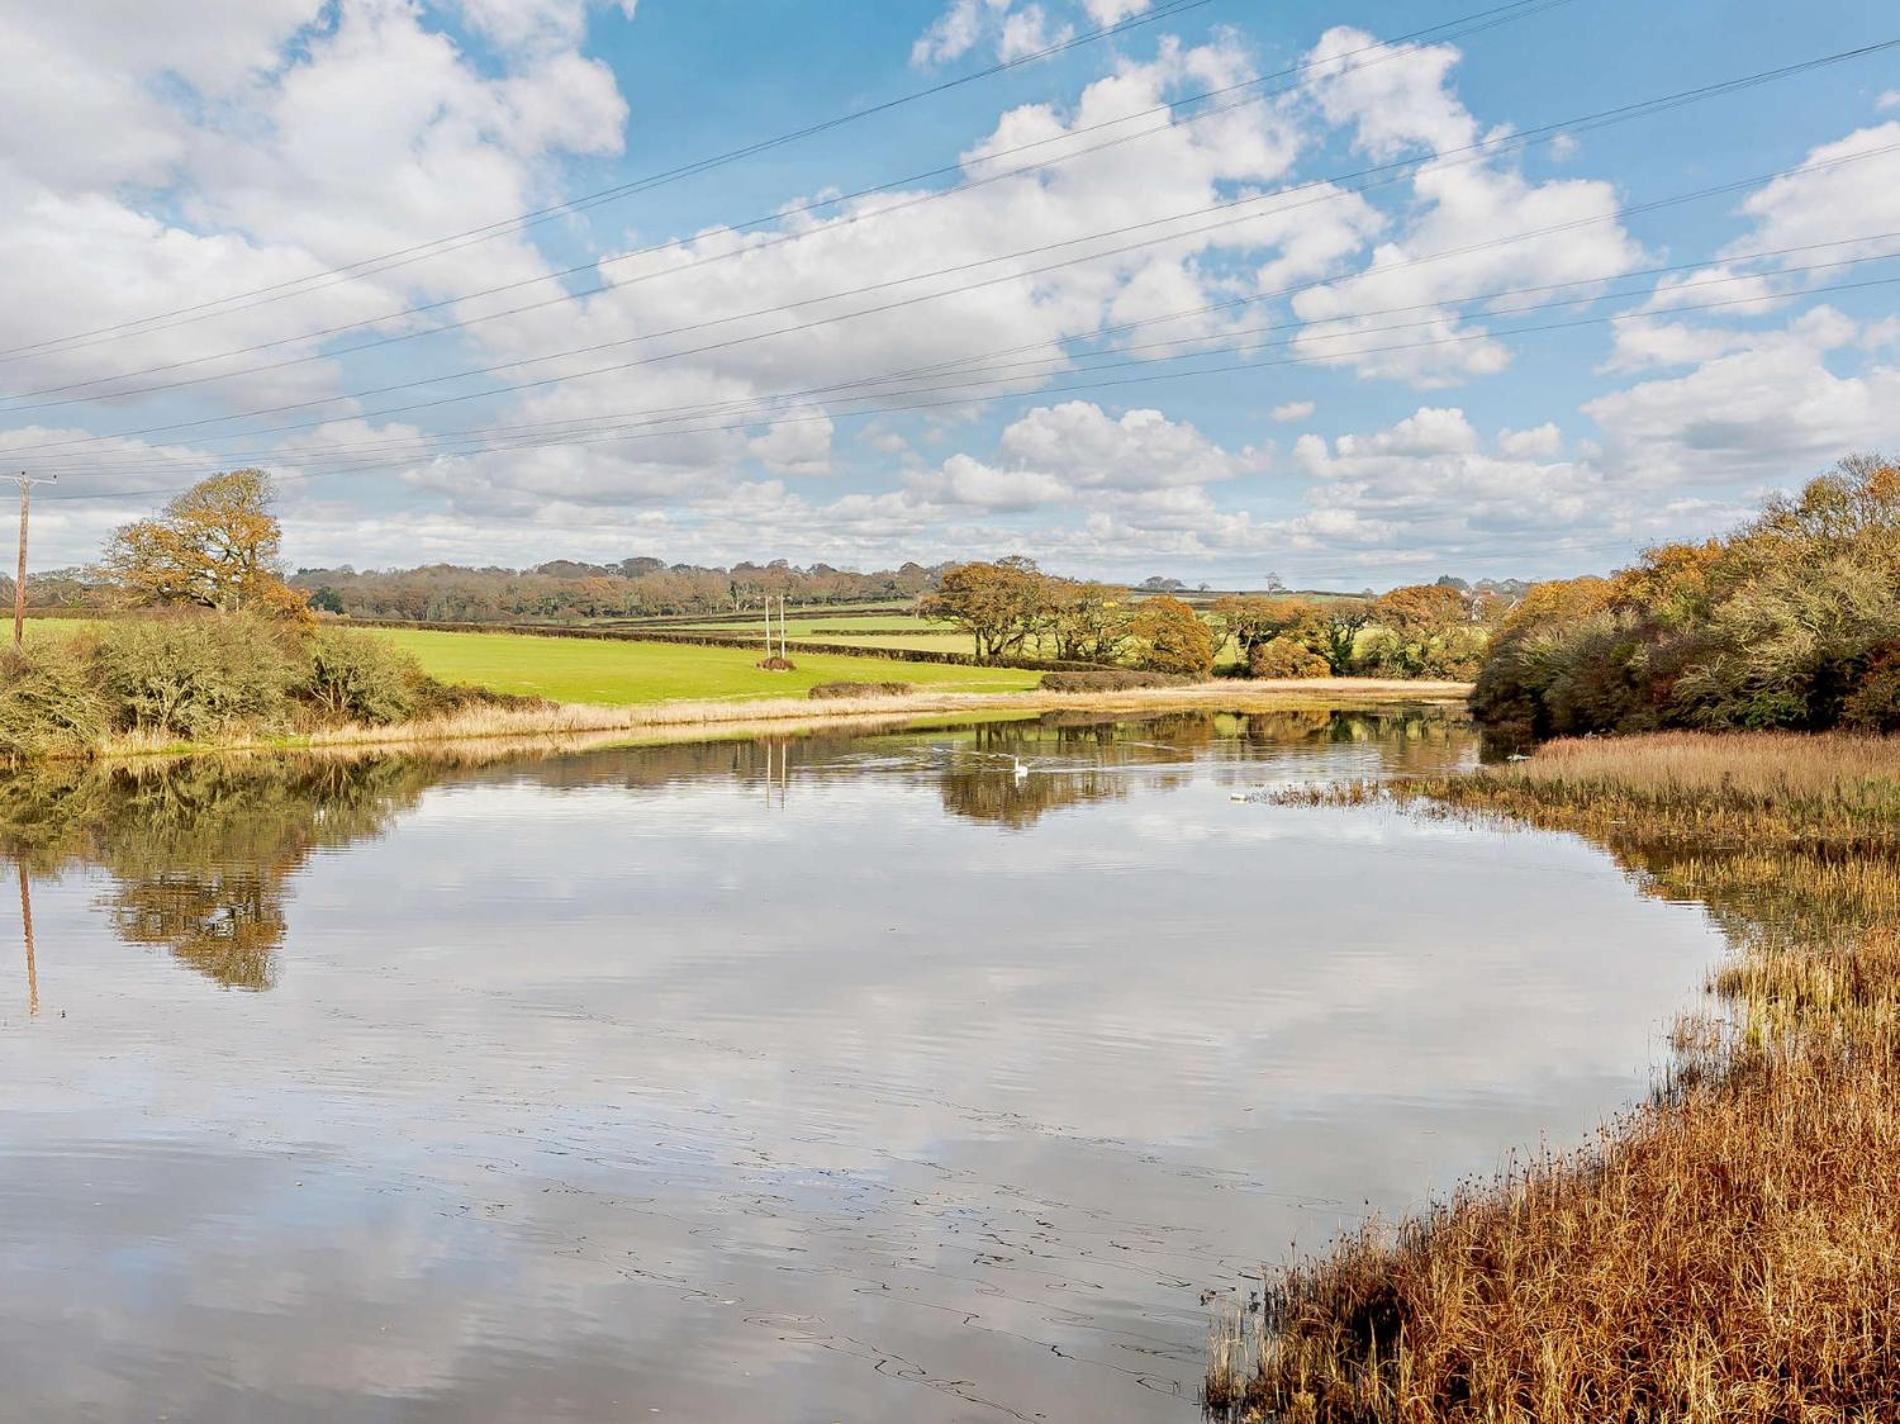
<point x="1729" y="1251"/>
<point x="1704" y="791"/>
<point x="672" y="721"/>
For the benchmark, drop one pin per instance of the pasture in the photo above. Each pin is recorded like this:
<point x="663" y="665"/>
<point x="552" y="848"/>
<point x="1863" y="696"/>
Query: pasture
<point x="619" y="673"/>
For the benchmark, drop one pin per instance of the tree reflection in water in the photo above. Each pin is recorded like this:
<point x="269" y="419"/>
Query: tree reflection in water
<point x="202" y="853"/>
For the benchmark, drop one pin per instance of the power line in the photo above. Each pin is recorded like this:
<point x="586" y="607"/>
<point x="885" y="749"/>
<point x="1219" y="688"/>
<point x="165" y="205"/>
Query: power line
<point x="1459" y="28"/>
<point x="1475" y="152"/>
<point x="866" y="388"/>
<point x="968" y="389"/>
<point x="1168" y="10"/>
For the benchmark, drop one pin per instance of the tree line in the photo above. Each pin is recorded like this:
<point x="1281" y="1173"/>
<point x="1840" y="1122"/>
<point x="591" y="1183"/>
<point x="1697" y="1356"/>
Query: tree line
<point x="1792" y="620"/>
<point x="1418" y="631"/>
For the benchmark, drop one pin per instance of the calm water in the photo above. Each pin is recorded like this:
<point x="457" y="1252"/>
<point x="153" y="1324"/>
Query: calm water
<point x="838" y="1079"/>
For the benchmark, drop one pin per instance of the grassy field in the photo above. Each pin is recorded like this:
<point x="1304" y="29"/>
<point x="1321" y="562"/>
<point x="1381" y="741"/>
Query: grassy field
<point x="850" y="630"/>
<point x="616" y="673"/>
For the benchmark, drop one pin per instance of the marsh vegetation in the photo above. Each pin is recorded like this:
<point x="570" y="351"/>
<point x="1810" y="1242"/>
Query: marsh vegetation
<point x="1727" y="1250"/>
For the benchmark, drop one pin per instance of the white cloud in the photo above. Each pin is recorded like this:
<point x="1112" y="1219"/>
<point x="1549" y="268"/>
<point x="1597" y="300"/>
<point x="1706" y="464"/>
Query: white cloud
<point x="1848" y="188"/>
<point x="1027" y="31"/>
<point x="1142" y="450"/>
<point x="1476" y="227"/>
<point x="968" y="481"/>
<point x="1888" y="100"/>
<point x="799" y="445"/>
<point x="1396" y="98"/>
<point x="956" y="31"/>
<point x="1430" y="487"/>
<point x="268" y="184"/>
<point x="537" y="24"/>
<point x="1643" y="343"/>
<point x="1767" y="406"/>
<point x="1292" y="410"/>
<point x="1113" y="12"/>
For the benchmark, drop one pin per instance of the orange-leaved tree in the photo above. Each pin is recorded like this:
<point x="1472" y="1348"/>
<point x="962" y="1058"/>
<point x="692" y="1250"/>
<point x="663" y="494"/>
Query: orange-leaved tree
<point x="214" y="546"/>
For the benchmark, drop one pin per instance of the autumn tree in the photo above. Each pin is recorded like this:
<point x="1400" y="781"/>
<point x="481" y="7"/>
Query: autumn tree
<point x="1253" y="619"/>
<point x="214" y="546"/>
<point x="1174" y="638"/>
<point x="1088" y="622"/>
<point x="1334" y="634"/>
<point x="1425" y="630"/>
<point x="998" y="605"/>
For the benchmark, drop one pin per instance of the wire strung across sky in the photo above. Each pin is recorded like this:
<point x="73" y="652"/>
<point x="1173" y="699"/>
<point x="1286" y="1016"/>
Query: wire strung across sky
<point x="1382" y="175"/>
<point x="806" y="394"/>
<point x="1383" y="51"/>
<point x="979" y="385"/>
<point x="1167" y="10"/>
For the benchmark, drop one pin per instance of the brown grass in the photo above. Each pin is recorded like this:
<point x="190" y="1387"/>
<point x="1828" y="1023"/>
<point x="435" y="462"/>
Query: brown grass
<point x="782" y="714"/>
<point x="1702" y="790"/>
<point x="1729" y="1251"/>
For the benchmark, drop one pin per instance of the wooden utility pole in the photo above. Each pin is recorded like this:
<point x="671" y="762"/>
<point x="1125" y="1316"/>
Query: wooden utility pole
<point x="19" y="580"/>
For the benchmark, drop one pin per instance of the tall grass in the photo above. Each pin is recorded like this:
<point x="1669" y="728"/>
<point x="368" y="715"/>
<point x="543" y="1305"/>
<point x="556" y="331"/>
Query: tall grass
<point x="1729" y="1250"/>
<point x="727" y="718"/>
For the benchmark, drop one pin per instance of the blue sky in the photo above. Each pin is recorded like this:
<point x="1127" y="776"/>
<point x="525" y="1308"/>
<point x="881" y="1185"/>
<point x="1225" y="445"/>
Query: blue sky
<point x="1286" y="363"/>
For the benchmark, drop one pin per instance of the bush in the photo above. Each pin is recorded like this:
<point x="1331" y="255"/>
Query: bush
<point x="1108" y="680"/>
<point x="1874" y="706"/>
<point x="1174" y="638"/>
<point x="444" y="699"/>
<point x="1788" y="622"/>
<point x="826" y="690"/>
<point x="1287" y="657"/>
<point x="359" y="677"/>
<point x="49" y="706"/>
<point x="198" y="676"/>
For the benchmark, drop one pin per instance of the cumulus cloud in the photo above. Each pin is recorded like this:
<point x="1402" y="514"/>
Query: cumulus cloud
<point x="1759" y="405"/>
<point x="1842" y="190"/>
<point x="799" y="445"/>
<point x="1143" y="449"/>
<point x="1142" y="463"/>
<point x="223" y="157"/>
<point x="1396" y="99"/>
<point x="1475" y="228"/>
<point x="1113" y="12"/>
<point x="956" y="31"/>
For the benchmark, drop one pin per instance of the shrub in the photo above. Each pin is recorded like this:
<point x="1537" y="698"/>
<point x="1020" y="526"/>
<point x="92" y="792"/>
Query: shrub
<point x="1287" y="657"/>
<point x="359" y="677"/>
<point x="49" y="706"/>
<point x="444" y="699"/>
<point x="1109" y="680"/>
<point x="1874" y="706"/>
<point x="198" y="676"/>
<point x="827" y="690"/>
<point x="1173" y="636"/>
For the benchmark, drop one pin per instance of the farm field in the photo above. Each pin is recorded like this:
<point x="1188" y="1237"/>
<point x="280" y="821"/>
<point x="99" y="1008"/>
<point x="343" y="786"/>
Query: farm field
<point x="869" y="630"/>
<point x="609" y="672"/>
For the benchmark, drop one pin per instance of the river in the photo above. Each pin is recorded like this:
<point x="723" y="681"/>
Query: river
<point x="939" y="1074"/>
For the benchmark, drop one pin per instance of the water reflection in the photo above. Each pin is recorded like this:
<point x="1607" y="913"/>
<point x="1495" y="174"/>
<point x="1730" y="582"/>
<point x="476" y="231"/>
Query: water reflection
<point x="201" y="854"/>
<point x="26" y="934"/>
<point x="840" y="1077"/>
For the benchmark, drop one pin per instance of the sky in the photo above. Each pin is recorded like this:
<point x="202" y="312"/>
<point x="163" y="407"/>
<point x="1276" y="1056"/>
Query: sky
<point x="1355" y="293"/>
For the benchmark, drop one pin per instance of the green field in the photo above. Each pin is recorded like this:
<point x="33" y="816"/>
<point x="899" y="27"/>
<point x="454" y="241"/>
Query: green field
<point x="604" y="671"/>
<point x="849" y="631"/>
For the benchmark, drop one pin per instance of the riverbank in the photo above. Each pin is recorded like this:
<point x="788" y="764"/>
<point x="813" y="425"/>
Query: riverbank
<point x="1729" y="1250"/>
<point x="686" y="720"/>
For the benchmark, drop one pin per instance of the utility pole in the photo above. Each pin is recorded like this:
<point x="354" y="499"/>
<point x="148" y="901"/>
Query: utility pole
<point x="19" y="581"/>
